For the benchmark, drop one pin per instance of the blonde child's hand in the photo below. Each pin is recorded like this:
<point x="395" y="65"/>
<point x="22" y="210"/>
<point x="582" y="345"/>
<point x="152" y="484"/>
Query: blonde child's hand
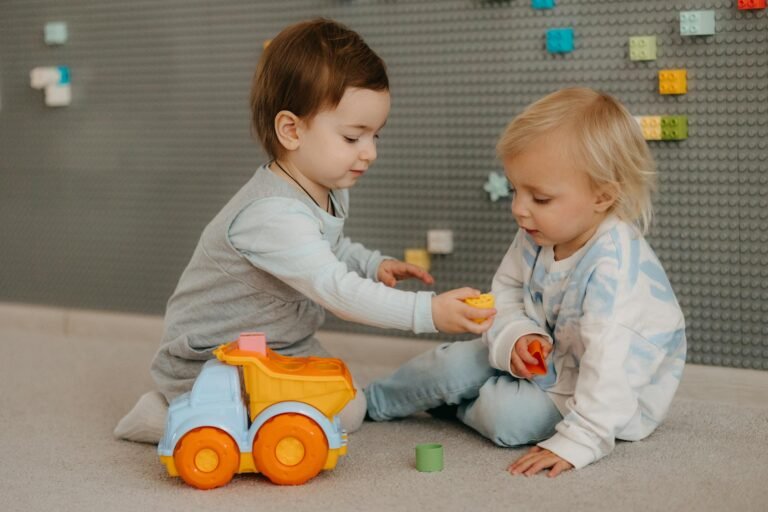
<point x="392" y="271"/>
<point x="520" y="355"/>
<point x="452" y="315"/>
<point x="537" y="459"/>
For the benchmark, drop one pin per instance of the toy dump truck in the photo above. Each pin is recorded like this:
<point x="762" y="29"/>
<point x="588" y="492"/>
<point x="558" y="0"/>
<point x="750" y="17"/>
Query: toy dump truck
<point x="252" y="410"/>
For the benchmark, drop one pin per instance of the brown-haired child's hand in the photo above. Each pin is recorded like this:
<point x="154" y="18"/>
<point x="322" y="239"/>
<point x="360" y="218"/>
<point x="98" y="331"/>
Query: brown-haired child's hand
<point x="537" y="459"/>
<point x="392" y="271"/>
<point x="452" y="315"/>
<point x="520" y="355"/>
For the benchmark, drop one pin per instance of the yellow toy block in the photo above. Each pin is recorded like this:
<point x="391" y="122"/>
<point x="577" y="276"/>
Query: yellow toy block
<point x="651" y="127"/>
<point x="484" y="301"/>
<point x="673" y="81"/>
<point x="418" y="257"/>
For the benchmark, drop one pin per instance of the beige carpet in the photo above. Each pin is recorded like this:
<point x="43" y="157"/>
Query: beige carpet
<point x="60" y="398"/>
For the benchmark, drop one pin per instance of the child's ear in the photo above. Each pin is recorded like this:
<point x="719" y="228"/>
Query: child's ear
<point x="605" y="197"/>
<point x="286" y="128"/>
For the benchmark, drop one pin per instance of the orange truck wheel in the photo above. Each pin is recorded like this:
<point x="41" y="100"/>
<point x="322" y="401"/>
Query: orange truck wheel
<point x="206" y="457"/>
<point x="290" y="449"/>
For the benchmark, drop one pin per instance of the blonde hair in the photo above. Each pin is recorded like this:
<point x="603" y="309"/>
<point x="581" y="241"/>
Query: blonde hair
<point x="604" y="138"/>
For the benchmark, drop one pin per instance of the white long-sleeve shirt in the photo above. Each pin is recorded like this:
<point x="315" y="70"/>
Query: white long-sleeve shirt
<point x="617" y="329"/>
<point x="307" y="250"/>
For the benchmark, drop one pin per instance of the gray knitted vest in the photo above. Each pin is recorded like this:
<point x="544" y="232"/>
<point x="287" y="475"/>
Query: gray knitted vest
<point x="221" y="294"/>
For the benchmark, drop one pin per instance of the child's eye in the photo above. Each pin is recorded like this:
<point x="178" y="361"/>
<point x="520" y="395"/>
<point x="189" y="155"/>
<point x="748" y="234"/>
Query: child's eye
<point x="351" y="140"/>
<point x="541" y="200"/>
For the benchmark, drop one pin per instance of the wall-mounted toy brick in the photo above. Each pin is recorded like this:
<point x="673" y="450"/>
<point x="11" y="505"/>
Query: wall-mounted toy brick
<point x="642" y="48"/>
<point x="748" y="5"/>
<point x="674" y="127"/>
<point x="543" y="4"/>
<point x="673" y="81"/>
<point x="697" y="23"/>
<point x="497" y="186"/>
<point x="560" y="40"/>
<point x="55" y="81"/>
<point x="650" y="126"/>
<point x="55" y="32"/>
<point x="418" y="257"/>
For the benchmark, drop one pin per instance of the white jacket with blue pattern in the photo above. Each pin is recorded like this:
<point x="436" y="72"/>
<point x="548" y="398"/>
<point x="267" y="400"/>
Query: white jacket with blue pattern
<point x="618" y="334"/>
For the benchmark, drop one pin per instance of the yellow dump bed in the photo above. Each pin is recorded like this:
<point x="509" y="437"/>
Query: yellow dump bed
<point x="324" y="383"/>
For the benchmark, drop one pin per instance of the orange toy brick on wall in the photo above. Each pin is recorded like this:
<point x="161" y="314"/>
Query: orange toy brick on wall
<point x="673" y="81"/>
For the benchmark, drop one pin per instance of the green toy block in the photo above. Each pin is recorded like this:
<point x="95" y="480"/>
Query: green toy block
<point x="642" y="48"/>
<point x="674" y="127"/>
<point x="429" y="457"/>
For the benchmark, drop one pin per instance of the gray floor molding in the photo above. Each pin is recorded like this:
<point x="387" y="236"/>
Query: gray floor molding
<point x="370" y="355"/>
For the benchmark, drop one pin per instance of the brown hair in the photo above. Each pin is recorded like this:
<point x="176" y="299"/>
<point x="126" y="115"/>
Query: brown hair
<point x="305" y="69"/>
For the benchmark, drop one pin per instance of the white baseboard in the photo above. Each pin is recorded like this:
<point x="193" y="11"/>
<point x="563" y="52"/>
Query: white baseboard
<point x="375" y="355"/>
<point x="78" y="322"/>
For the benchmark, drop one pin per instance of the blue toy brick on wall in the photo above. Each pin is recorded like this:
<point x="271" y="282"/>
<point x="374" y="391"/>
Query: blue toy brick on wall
<point x="543" y="4"/>
<point x="560" y="40"/>
<point x="63" y="74"/>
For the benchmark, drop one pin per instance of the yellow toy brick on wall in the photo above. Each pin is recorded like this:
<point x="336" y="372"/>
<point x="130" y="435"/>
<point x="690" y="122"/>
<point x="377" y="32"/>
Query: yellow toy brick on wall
<point x="673" y="81"/>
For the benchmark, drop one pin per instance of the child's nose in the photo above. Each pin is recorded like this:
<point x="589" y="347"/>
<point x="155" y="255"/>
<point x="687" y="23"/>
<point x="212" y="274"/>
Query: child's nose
<point x="518" y="208"/>
<point x="368" y="153"/>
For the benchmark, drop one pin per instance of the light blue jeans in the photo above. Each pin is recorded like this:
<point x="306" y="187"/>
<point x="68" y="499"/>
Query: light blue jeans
<point x="506" y="410"/>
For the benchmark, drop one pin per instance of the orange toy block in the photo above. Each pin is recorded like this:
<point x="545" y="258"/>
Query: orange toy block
<point x="673" y="81"/>
<point x="534" y="348"/>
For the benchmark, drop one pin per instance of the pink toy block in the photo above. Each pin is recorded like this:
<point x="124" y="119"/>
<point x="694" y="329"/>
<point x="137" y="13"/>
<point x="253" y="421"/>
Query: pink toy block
<point x="253" y="342"/>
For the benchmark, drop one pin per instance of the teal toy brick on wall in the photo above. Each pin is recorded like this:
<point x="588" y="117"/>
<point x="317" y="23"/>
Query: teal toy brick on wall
<point x="543" y="4"/>
<point x="63" y="75"/>
<point x="674" y="127"/>
<point x="560" y="40"/>
<point x="642" y="48"/>
<point x="697" y="23"/>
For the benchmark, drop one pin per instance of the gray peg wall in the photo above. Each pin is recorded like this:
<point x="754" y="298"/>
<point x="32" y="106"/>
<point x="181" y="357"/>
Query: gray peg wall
<point x="102" y="202"/>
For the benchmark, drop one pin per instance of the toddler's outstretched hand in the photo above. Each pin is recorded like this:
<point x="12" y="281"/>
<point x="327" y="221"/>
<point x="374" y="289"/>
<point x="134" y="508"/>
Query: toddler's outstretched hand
<point x="392" y="271"/>
<point x="537" y="459"/>
<point x="452" y="315"/>
<point x="521" y="356"/>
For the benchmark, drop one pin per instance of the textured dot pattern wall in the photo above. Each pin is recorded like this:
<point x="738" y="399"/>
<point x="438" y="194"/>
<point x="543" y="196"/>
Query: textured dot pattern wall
<point x="102" y="202"/>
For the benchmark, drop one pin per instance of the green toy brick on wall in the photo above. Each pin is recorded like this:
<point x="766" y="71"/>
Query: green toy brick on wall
<point x="642" y="48"/>
<point x="674" y="127"/>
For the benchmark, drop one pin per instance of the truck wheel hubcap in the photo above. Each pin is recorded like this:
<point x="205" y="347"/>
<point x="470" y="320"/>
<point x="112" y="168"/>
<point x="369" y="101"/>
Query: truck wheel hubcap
<point x="289" y="451"/>
<point x="206" y="460"/>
